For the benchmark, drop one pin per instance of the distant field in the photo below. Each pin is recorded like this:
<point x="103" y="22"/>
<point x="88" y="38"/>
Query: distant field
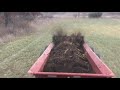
<point x="16" y="57"/>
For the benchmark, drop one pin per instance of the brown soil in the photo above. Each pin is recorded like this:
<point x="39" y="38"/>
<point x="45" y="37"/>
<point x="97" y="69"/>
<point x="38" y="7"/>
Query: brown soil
<point x="68" y="55"/>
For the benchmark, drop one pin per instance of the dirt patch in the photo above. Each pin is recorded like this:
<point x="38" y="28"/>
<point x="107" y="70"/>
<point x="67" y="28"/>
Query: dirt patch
<point x="68" y="55"/>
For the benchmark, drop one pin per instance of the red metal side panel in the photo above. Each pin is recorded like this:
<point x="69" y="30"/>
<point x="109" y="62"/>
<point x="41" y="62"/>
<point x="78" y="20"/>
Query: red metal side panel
<point x="39" y="64"/>
<point x="74" y="75"/>
<point x="97" y="62"/>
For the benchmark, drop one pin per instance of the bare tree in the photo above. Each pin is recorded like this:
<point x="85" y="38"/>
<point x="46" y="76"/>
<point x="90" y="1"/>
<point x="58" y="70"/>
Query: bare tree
<point x="77" y="14"/>
<point x="7" y="18"/>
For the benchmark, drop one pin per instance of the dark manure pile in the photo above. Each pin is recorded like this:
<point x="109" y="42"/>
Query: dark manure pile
<point x="68" y="55"/>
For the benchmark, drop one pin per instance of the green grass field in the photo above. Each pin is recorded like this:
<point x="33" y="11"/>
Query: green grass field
<point x="17" y="56"/>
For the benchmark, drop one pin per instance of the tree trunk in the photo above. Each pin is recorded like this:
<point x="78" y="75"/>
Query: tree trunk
<point x="7" y="18"/>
